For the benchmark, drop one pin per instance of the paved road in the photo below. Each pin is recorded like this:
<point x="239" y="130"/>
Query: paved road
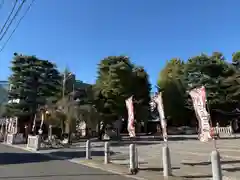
<point x="16" y="164"/>
<point x="190" y="157"/>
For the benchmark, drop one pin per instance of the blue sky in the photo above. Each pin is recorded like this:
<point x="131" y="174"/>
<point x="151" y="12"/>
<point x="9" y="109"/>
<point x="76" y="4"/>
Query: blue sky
<point x="79" y="33"/>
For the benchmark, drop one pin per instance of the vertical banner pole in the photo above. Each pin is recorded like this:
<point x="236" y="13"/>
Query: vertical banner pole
<point x="131" y="129"/>
<point x="167" y="168"/>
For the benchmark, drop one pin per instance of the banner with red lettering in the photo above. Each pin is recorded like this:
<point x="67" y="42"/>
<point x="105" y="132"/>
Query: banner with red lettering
<point x="162" y="115"/>
<point x="130" y="108"/>
<point x="198" y="96"/>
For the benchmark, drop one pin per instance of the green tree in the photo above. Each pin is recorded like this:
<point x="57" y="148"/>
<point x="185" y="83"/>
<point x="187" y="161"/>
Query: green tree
<point x="74" y="107"/>
<point x="232" y="82"/>
<point x="173" y="93"/>
<point x="32" y="82"/>
<point x="141" y="92"/>
<point x="117" y="80"/>
<point x="113" y="86"/>
<point x="3" y="101"/>
<point x="209" y="71"/>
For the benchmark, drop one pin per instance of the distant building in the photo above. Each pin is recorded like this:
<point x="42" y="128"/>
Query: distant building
<point x="4" y="84"/>
<point x="4" y="91"/>
<point x="80" y="84"/>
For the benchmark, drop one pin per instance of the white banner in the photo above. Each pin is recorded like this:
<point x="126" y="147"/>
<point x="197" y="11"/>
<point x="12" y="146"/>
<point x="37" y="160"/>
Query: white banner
<point x="130" y="108"/>
<point x="198" y="96"/>
<point x="162" y="116"/>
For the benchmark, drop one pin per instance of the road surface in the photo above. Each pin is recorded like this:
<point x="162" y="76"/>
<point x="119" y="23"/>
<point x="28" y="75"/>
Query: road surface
<point x="16" y="164"/>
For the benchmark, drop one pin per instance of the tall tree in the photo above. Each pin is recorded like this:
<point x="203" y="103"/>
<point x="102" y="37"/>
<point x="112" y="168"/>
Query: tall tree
<point x="173" y="92"/>
<point x="209" y="71"/>
<point x="32" y="82"/>
<point x="118" y="79"/>
<point x="3" y="100"/>
<point x="141" y="92"/>
<point x="113" y="86"/>
<point x="232" y="82"/>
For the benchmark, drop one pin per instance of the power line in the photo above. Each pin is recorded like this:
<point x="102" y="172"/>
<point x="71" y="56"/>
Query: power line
<point x="9" y="16"/>
<point x="15" y="15"/>
<point x="25" y="13"/>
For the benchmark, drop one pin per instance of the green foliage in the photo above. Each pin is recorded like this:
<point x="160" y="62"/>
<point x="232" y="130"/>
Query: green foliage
<point x="209" y="71"/>
<point x="117" y="80"/>
<point x="37" y="83"/>
<point x="232" y="82"/>
<point x="141" y="92"/>
<point x="3" y="95"/>
<point x="3" y="100"/>
<point x="173" y="93"/>
<point x="32" y="81"/>
<point x="220" y="78"/>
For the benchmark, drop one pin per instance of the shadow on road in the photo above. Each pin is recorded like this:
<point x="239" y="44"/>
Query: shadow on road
<point x="21" y="158"/>
<point x="55" y="175"/>
<point x="198" y="176"/>
<point x="78" y="154"/>
<point x="159" y="138"/>
<point x="156" y="169"/>
<point x="208" y="163"/>
<point x="179" y="138"/>
<point x="127" y="143"/>
<point x="233" y="169"/>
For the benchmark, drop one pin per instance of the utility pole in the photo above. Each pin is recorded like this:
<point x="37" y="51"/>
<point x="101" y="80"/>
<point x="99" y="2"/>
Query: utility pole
<point x="63" y="85"/>
<point x="66" y="76"/>
<point x="72" y="103"/>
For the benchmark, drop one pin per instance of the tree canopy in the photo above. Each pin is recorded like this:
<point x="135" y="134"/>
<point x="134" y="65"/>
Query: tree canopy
<point x="219" y="76"/>
<point x="117" y="80"/>
<point x="36" y="83"/>
<point x="32" y="82"/>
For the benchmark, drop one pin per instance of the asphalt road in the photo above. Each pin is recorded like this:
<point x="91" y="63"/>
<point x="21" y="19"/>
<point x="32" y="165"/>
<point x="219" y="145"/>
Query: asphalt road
<point x="16" y="164"/>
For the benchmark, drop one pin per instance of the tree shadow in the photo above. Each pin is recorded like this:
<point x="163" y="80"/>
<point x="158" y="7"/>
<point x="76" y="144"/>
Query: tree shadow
<point x="22" y="158"/>
<point x="159" y="138"/>
<point x="127" y="143"/>
<point x="156" y="169"/>
<point x="233" y="169"/>
<point x="197" y="176"/>
<point x="182" y="138"/>
<point x="78" y="154"/>
<point x="230" y="137"/>
<point x="56" y="175"/>
<point x="196" y="164"/>
<point x="206" y="163"/>
<point x="230" y="162"/>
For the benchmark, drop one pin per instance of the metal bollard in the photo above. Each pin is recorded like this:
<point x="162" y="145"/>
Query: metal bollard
<point x="167" y="169"/>
<point x="132" y="159"/>
<point x="50" y="133"/>
<point x="88" y="149"/>
<point x="136" y="158"/>
<point x="216" y="165"/>
<point x="106" y="153"/>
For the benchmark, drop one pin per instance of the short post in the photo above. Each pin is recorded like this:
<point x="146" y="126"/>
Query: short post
<point x="216" y="165"/>
<point x="2" y="131"/>
<point x="106" y="153"/>
<point x="132" y="159"/>
<point x="167" y="169"/>
<point x="88" y="149"/>
<point x="136" y="158"/>
<point x="50" y="133"/>
<point x="26" y="132"/>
